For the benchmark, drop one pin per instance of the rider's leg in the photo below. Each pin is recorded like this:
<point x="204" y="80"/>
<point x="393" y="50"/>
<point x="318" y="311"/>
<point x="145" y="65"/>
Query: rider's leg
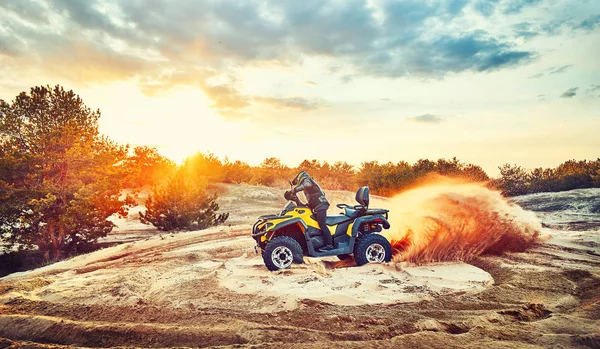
<point x="321" y="216"/>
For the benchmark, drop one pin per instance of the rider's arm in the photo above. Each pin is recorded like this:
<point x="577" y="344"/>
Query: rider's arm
<point x="302" y="185"/>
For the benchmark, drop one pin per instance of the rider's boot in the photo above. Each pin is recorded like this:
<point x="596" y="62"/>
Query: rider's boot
<point x="327" y="247"/>
<point x="328" y="243"/>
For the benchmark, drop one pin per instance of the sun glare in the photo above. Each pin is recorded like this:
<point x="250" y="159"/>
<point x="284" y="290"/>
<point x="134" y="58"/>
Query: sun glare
<point x="178" y="123"/>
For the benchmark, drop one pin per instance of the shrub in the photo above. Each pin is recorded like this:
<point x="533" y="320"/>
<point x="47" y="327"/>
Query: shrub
<point x="182" y="204"/>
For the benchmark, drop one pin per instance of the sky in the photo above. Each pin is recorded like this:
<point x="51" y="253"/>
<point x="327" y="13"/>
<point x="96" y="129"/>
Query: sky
<point x="487" y="81"/>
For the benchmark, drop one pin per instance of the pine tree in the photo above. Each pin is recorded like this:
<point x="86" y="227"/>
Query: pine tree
<point x="60" y="178"/>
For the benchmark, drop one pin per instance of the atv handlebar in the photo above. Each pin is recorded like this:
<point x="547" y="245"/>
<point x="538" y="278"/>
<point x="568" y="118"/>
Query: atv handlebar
<point x="288" y="195"/>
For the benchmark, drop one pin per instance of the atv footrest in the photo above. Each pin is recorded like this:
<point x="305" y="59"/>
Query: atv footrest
<point x="335" y="252"/>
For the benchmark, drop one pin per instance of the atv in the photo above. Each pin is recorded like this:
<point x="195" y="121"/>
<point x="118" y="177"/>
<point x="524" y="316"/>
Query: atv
<point x="287" y="237"/>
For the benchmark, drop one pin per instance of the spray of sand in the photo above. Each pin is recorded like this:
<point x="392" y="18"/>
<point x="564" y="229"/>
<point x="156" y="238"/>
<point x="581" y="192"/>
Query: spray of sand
<point x="450" y="220"/>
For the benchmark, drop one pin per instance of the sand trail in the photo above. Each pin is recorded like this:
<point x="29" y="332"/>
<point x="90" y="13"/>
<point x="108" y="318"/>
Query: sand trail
<point x="175" y="269"/>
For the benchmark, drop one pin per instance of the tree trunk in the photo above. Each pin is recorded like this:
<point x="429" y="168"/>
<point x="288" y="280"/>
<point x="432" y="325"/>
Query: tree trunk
<point x="56" y="239"/>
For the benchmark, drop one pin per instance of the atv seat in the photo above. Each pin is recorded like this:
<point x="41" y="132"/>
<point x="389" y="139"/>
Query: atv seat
<point x="351" y="213"/>
<point x="362" y="197"/>
<point x="333" y="220"/>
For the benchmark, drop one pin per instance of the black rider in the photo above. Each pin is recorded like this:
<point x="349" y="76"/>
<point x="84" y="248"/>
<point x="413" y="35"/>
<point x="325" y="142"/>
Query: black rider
<point x="316" y="202"/>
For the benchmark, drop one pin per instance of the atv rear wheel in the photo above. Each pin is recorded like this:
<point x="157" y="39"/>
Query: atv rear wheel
<point x="281" y="252"/>
<point x="372" y="248"/>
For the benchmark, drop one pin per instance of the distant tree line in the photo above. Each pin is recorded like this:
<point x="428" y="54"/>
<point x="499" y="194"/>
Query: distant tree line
<point x="389" y="178"/>
<point x="145" y="167"/>
<point x="572" y="174"/>
<point x="383" y="178"/>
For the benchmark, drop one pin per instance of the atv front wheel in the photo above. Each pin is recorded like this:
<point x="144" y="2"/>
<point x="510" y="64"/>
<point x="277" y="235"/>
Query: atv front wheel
<point x="281" y="252"/>
<point x="372" y="248"/>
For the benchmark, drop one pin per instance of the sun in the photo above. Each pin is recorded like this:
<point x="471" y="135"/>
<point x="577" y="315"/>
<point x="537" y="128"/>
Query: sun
<point x="178" y="122"/>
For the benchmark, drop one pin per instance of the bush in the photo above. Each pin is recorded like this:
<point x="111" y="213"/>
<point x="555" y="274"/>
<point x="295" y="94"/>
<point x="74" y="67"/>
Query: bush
<point x="271" y="173"/>
<point x="569" y="175"/>
<point x="182" y="205"/>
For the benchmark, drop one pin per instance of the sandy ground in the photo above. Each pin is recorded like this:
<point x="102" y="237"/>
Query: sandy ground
<point x="161" y="270"/>
<point x="209" y="289"/>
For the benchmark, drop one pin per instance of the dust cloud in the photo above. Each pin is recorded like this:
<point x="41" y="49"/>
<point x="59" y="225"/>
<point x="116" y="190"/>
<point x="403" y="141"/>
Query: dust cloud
<point x="446" y="219"/>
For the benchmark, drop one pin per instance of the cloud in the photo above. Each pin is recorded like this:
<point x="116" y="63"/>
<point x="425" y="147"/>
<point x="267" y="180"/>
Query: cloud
<point x="30" y="11"/>
<point x="167" y="43"/>
<point x="485" y="7"/>
<point x="552" y="71"/>
<point x="528" y="30"/>
<point x="297" y="103"/>
<point x="254" y="31"/>
<point x="348" y="78"/>
<point x="594" y="88"/>
<point x="570" y="93"/>
<point x="588" y="24"/>
<point x="516" y="6"/>
<point x="488" y="8"/>
<point x="560" y="69"/>
<point x="226" y="97"/>
<point x="426" y="118"/>
<point x="474" y="51"/>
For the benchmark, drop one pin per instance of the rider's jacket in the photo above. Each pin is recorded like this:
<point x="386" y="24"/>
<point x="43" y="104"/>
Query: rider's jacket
<point x="315" y="196"/>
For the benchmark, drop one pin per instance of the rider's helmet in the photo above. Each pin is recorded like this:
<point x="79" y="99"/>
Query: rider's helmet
<point x="299" y="177"/>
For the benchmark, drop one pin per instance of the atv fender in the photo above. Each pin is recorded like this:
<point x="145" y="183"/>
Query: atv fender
<point x="265" y="221"/>
<point x="293" y="221"/>
<point x="297" y="232"/>
<point x="379" y="219"/>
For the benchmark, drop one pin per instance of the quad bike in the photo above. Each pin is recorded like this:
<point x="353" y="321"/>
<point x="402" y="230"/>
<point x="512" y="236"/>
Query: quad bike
<point x="286" y="237"/>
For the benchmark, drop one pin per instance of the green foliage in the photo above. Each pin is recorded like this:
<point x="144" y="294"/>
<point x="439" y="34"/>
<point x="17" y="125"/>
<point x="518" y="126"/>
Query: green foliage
<point x="146" y="168"/>
<point x="236" y="172"/>
<point x="271" y="172"/>
<point x="204" y="167"/>
<point x="513" y="180"/>
<point x="339" y="176"/>
<point x="569" y="175"/>
<point x="61" y="180"/>
<point x="389" y="178"/>
<point x="182" y="204"/>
